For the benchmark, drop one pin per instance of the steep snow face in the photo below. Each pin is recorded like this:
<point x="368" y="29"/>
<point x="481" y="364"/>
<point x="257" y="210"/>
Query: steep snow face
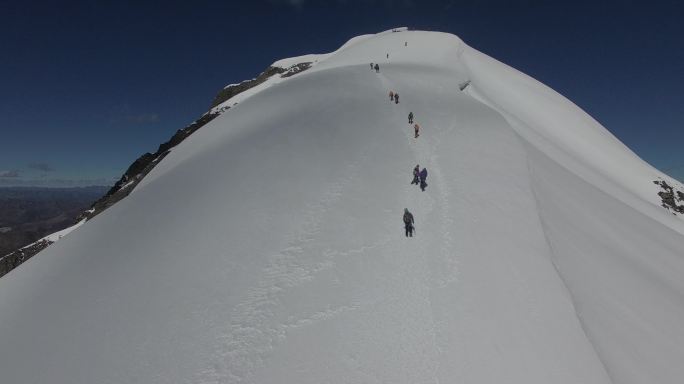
<point x="269" y="247"/>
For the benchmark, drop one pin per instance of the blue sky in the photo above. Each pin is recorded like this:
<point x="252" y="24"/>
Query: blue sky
<point x="88" y="86"/>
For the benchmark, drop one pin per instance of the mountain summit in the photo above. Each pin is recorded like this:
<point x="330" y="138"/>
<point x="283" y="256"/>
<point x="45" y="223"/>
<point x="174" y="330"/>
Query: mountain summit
<point x="269" y="247"/>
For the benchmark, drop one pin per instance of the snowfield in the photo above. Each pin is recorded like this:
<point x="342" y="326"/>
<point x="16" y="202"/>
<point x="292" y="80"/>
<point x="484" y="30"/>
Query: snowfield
<point x="268" y="247"/>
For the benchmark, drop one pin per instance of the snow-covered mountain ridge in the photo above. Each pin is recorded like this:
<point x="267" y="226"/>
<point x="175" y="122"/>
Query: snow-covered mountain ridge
<point x="268" y="245"/>
<point x="224" y="100"/>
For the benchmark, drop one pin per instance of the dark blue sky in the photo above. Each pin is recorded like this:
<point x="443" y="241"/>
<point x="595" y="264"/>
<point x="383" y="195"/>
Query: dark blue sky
<point x="88" y="86"/>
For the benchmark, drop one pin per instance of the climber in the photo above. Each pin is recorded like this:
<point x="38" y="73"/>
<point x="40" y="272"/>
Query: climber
<point x="408" y="223"/>
<point x="391" y="95"/>
<point x="416" y="128"/>
<point x="416" y="175"/>
<point x="423" y="177"/>
<point x="377" y="68"/>
<point x="371" y="66"/>
<point x="410" y="117"/>
<point x="396" y="98"/>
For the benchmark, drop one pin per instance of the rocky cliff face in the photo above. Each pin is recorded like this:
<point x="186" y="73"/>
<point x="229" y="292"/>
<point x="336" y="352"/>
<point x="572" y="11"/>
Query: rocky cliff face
<point x="14" y="259"/>
<point x="146" y="162"/>
<point x="672" y="199"/>
<point x="141" y="167"/>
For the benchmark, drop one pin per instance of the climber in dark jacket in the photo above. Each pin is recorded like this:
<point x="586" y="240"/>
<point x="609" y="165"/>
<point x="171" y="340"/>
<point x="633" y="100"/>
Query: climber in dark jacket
<point x="377" y="68"/>
<point x="396" y="98"/>
<point x="410" y="117"/>
<point x="416" y="175"/>
<point x="408" y="223"/>
<point x="423" y="177"/>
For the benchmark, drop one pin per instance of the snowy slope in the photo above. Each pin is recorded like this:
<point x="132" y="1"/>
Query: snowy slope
<point x="268" y="247"/>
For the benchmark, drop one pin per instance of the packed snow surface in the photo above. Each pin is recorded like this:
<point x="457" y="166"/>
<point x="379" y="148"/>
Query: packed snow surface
<point x="269" y="246"/>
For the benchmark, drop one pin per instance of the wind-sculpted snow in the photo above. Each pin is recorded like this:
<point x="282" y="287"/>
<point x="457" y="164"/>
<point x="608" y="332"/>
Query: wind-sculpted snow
<point x="268" y="246"/>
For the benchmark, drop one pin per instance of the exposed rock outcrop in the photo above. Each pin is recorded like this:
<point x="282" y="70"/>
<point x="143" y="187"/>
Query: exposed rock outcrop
<point x="12" y="260"/>
<point x="295" y="69"/>
<point x="670" y="197"/>
<point x="232" y="90"/>
<point x="142" y="166"/>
